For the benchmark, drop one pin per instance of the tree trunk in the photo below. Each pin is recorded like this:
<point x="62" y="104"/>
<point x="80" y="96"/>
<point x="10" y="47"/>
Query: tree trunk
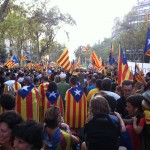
<point x="3" y="8"/>
<point x="37" y="46"/>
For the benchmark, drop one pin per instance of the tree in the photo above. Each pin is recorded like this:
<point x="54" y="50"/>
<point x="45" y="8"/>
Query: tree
<point x="45" y="24"/>
<point x="131" y="34"/>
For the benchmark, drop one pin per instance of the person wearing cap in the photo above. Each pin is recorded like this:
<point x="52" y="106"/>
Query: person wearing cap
<point x="27" y="100"/>
<point x="42" y="90"/>
<point x="62" y="86"/>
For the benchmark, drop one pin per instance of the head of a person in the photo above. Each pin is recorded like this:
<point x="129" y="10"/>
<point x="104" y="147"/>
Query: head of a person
<point x="28" y="80"/>
<point x="57" y="78"/>
<point x="8" y="122"/>
<point x="73" y="81"/>
<point x="44" y="78"/>
<point x="7" y="102"/>
<point x="99" y="84"/>
<point x="28" y="136"/>
<point x="52" y="117"/>
<point x="62" y="77"/>
<point x="147" y="78"/>
<point x="134" y="105"/>
<point x="138" y="86"/>
<point x="52" y="87"/>
<point x="95" y="75"/>
<point x="36" y="81"/>
<point x="106" y="84"/>
<point x="127" y="87"/>
<point x="99" y="104"/>
<point x="93" y="80"/>
<point x="119" y="90"/>
<point x="113" y="86"/>
<point x="146" y="100"/>
<point x="110" y="99"/>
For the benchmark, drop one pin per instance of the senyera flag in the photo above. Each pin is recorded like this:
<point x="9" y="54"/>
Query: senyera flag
<point x="64" y="61"/>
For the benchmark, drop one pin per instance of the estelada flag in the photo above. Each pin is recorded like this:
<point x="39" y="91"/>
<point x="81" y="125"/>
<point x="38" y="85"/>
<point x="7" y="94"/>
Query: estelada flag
<point x="11" y="62"/>
<point x="54" y="99"/>
<point x="75" y="108"/>
<point x="124" y="72"/>
<point x="84" y="48"/>
<point x="138" y="74"/>
<point x="147" y="44"/>
<point x="27" y="103"/>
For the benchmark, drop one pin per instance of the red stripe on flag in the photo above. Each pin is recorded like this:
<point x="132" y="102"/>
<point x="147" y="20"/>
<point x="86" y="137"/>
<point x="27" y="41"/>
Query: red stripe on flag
<point x="80" y="112"/>
<point x="68" y="108"/>
<point x="74" y="113"/>
<point x="29" y="108"/>
<point x="62" y="58"/>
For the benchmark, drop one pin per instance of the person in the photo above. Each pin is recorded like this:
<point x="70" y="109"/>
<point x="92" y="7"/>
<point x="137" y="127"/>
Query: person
<point x="102" y="125"/>
<point x="119" y="90"/>
<point x="139" y="87"/>
<point x="106" y="87"/>
<point x="36" y="82"/>
<point x="11" y="86"/>
<point x="42" y="90"/>
<point x="53" y="136"/>
<point x="8" y="122"/>
<point x="95" y="90"/>
<point x="53" y="98"/>
<point x="28" y="136"/>
<point x="127" y="87"/>
<point x="146" y="109"/>
<point x="75" y="105"/>
<point x="27" y="100"/>
<point x="62" y="86"/>
<point x="57" y="78"/>
<point x="134" y="108"/>
<point x="92" y="84"/>
<point x="7" y="102"/>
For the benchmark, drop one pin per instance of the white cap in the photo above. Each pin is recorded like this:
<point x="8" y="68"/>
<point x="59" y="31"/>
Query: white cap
<point x="62" y="76"/>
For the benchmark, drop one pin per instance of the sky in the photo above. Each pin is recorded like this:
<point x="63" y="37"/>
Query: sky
<point x="94" y="20"/>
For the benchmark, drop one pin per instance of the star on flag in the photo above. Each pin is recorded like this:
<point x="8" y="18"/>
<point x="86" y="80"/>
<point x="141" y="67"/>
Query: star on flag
<point x="77" y="92"/>
<point x="52" y="94"/>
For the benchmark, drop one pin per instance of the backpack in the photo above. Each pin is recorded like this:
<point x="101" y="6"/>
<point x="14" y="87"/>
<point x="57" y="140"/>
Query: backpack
<point x="101" y="133"/>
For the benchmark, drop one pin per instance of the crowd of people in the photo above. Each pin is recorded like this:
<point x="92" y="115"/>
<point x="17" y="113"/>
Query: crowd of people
<point x="85" y="110"/>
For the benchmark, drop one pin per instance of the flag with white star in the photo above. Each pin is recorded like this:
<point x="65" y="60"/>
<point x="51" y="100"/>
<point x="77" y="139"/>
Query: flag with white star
<point x="52" y="96"/>
<point x="76" y="93"/>
<point x="147" y="44"/>
<point x="23" y="92"/>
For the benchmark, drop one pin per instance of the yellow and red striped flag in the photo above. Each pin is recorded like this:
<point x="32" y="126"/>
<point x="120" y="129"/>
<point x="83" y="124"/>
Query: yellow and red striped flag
<point x="64" y="61"/>
<point x="124" y="72"/>
<point x="138" y="74"/>
<point x="12" y="62"/>
<point x="75" y="108"/>
<point x="28" y="106"/>
<point x="23" y="58"/>
<point x="97" y="64"/>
